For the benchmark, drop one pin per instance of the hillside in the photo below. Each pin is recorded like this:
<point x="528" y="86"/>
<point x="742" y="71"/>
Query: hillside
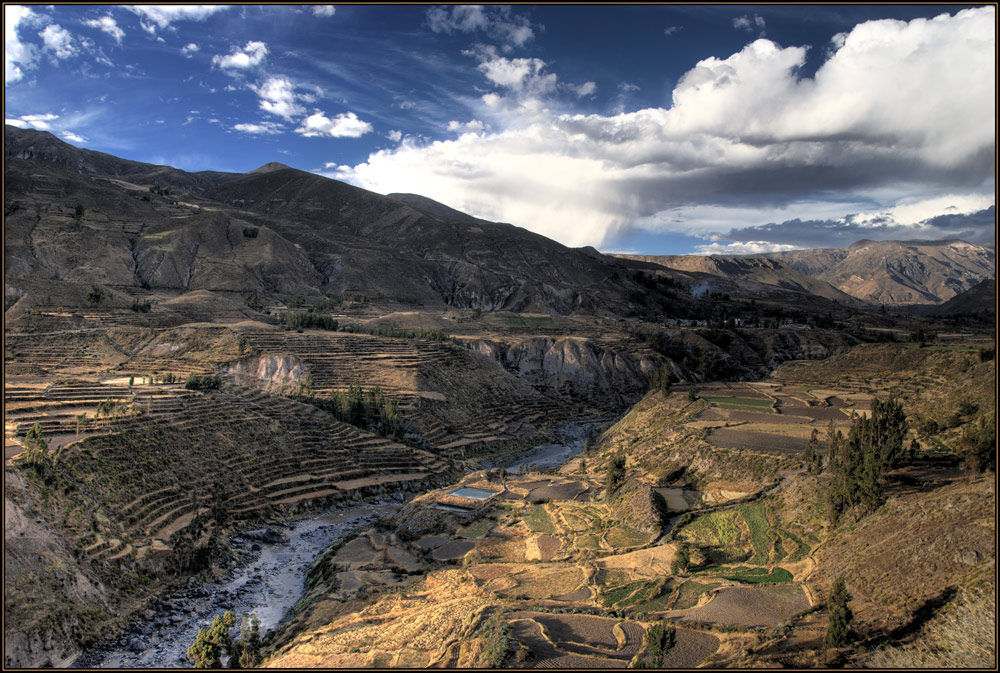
<point x="757" y="270"/>
<point x="277" y="230"/>
<point x="719" y="528"/>
<point x="897" y="272"/>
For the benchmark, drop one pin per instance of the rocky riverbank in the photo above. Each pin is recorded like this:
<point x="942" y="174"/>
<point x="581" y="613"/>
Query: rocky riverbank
<point x="267" y="583"/>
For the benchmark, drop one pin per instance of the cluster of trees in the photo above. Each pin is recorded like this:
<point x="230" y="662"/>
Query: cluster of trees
<point x="661" y="638"/>
<point x="307" y="320"/>
<point x="400" y="333"/>
<point x="838" y="628"/>
<point x="243" y="652"/>
<point x="141" y="306"/>
<point x="615" y="476"/>
<point x="857" y="462"/>
<point x="661" y="379"/>
<point x="96" y="295"/>
<point x="199" y="382"/>
<point x="367" y="409"/>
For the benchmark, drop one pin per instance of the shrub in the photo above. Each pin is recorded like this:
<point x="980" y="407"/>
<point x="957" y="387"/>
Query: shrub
<point x="615" y="476"/>
<point x="196" y="382"/>
<point x="839" y="625"/>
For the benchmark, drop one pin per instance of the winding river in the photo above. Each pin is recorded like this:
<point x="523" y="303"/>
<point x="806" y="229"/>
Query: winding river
<point x="273" y="579"/>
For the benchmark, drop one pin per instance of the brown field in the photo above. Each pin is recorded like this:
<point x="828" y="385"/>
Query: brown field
<point x="567" y="491"/>
<point x="727" y="438"/>
<point x="545" y="655"/>
<point x="545" y="582"/>
<point x="748" y="606"/>
<point x="432" y="541"/>
<point x="691" y="649"/>
<point x="358" y="550"/>
<point x="453" y="550"/>
<point x="815" y="413"/>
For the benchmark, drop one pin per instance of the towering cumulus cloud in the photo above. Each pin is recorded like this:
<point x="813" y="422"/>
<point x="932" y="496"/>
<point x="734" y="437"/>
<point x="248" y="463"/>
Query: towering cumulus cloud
<point x="899" y="114"/>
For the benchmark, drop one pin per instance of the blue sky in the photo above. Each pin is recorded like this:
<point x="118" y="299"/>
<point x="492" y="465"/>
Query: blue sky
<point x="650" y="129"/>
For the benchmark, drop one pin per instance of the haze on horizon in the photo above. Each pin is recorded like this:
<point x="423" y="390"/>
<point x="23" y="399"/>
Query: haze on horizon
<point x="653" y="130"/>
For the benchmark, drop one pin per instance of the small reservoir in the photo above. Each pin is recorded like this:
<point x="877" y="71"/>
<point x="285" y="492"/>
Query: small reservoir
<point x="473" y="493"/>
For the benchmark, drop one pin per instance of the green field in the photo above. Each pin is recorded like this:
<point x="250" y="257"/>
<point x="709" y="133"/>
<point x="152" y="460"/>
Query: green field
<point x="741" y="403"/>
<point x="527" y="321"/>
<point x="756" y="518"/>
<point x="538" y="520"/>
<point x="477" y="529"/>
<point x="623" y="537"/>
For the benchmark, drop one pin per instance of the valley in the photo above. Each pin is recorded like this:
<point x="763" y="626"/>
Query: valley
<point x="405" y="437"/>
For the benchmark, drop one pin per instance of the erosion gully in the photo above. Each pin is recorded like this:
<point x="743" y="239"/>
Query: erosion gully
<point x="273" y="579"/>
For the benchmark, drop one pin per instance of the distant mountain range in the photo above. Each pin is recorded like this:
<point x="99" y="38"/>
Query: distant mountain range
<point x="897" y="272"/>
<point x="891" y="273"/>
<point x="79" y="216"/>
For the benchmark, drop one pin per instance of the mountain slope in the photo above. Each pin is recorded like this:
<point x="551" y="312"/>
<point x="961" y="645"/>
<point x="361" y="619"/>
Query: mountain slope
<point x="897" y="272"/>
<point x="88" y="217"/>
<point x="758" y="270"/>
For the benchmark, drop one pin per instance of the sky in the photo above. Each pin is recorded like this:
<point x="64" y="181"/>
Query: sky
<point x="648" y="129"/>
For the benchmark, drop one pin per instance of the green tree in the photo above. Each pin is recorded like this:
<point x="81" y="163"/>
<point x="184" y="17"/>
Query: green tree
<point x="660" y="639"/>
<point x="206" y="652"/>
<point x="95" y="295"/>
<point x="661" y="379"/>
<point x="615" y="475"/>
<point x="838" y="628"/>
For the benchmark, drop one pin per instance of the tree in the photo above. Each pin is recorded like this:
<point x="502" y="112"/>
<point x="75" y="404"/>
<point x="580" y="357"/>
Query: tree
<point x="813" y="460"/>
<point x="660" y="639"/>
<point x="978" y="445"/>
<point x="661" y="379"/>
<point x="839" y="625"/>
<point x="95" y="295"/>
<point x="206" y="652"/>
<point x="615" y="475"/>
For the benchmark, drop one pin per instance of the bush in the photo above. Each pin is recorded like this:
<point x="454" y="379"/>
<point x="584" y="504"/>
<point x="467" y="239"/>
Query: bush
<point x="615" y="475"/>
<point x="196" y="382"/>
<point x="300" y="320"/>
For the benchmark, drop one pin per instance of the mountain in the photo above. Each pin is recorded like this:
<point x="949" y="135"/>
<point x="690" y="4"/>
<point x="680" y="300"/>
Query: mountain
<point x="981" y="299"/>
<point x="88" y="217"/>
<point x="897" y="272"/>
<point x="757" y="270"/>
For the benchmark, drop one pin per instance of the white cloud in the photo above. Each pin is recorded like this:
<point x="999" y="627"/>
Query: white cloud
<point x="497" y="21"/>
<point x="189" y="49"/>
<point x="249" y="56"/>
<point x="324" y="10"/>
<point x="72" y="137"/>
<point x="346" y="125"/>
<point x="749" y="23"/>
<point x="277" y="97"/>
<point x="672" y="30"/>
<point x="40" y="122"/>
<point x="262" y="128"/>
<point x="161" y="16"/>
<point x="108" y="25"/>
<point x="58" y="40"/>
<point x="394" y="135"/>
<point x="899" y="109"/>
<point x="585" y="89"/>
<point x="474" y="126"/>
<point x="17" y="54"/>
<point x="742" y="248"/>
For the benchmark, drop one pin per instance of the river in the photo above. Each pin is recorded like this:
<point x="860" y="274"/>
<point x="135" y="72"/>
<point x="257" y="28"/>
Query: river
<point x="273" y="579"/>
<point x="268" y="585"/>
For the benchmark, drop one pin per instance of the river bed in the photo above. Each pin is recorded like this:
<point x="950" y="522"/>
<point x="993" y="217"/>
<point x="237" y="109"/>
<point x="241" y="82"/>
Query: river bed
<point x="268" y="586"/>
<point x="570" y="439"/>
<point x="274" y="578"/>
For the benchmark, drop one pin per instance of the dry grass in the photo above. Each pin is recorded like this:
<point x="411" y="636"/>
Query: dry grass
<point x="964" y="636"/>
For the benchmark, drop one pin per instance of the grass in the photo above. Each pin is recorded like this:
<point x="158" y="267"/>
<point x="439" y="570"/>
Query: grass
<point x="691" y="591"/>
<point x="741" y="403"/>
<point x="624" y="537"/>
<point x="758" y="576"/>
<point x="756" y="518"/>
<point x="717" y="529"/>
<point x="588" y="541"/>
<point x="660" y="599"/>
<point x="538" y="520"/>
<point x="962" y="636"/>
<point x="621" y="594"/>
<point x="799" y="553"/>
<point x="476" y="529"/>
